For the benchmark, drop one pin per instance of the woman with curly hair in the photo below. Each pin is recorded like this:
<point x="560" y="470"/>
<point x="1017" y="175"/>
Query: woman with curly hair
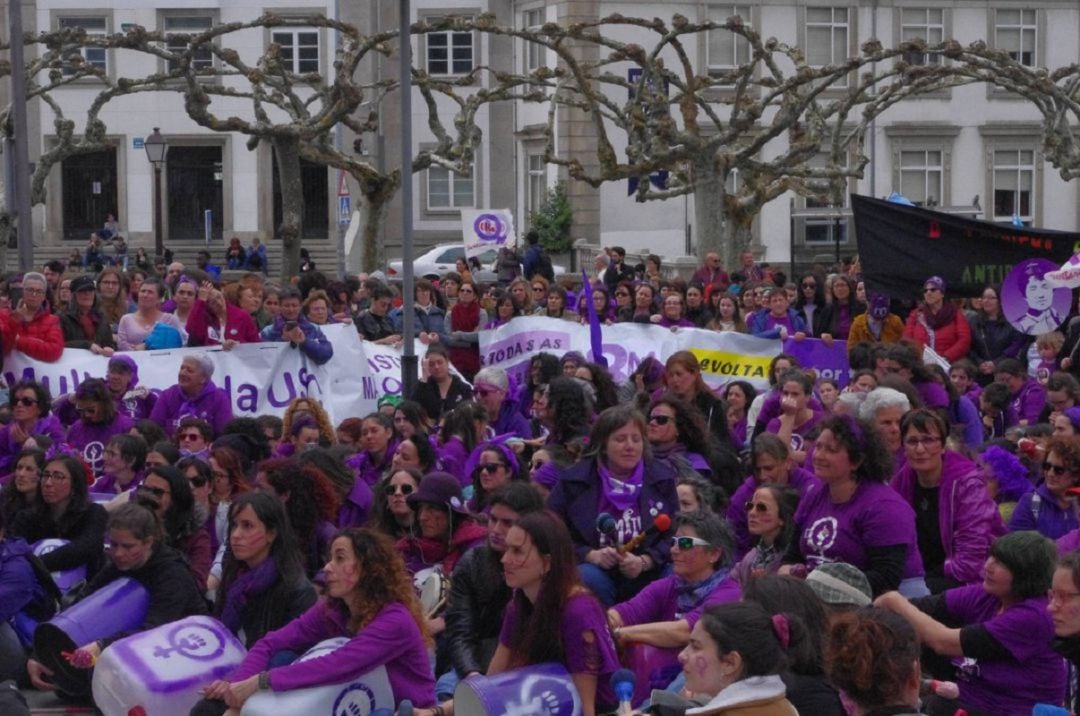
<point x="607" y="393"/>
<point x="370" y="600"/>
<point x="565" y="412"/>
<point x="305" y="405"/>
<point x="168" y="492"/>
<point x="311" y="503"/>
<point x="391" y="513"/>
<point x="677" y="433"/>
<point x="872" y="655"/>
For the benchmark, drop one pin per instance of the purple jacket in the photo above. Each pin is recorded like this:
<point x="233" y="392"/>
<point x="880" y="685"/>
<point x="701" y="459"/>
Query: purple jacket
<point x="367" y="470"/>
<point x="1038" y="510"/>
<point x="356" y="507"/>
<point x="968" y="519"/>
<point x="576" y="498"/>
<point x="452" y="458"/>
<point x="9" y="449"/>
<point x="90" y="439"/>
<point x="658" y="602"/>
<point x="1027" y="404"/>
<point x="799" y="479"/>
<point x="511" y="421"/>
<point x="212" y="405"/>
<point x="392" y="639"/>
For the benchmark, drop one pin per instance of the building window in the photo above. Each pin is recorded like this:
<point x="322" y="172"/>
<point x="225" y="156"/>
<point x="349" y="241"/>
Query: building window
<point x="535" y="183"/>
<point x="450" y="52"/>
<point x="921" y="176"/>
<point x="827" y="35"/>
<point x="299" y="49"/>
<point x="1014" y="184"/>
<point x="202" y="58"/>
<point x="1016" y="32"/>
<point x="725" y="50"/>
<point x="928" y="24"/>
<point x="534" y="52"/>
<point x="449" y="190"/>
<point x="93" y="56"/>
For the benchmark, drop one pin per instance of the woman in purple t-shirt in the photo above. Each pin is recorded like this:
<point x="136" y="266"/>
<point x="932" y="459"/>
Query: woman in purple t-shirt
<point x="552" y="617"/>
<point x="857" y="518"/>
<point x="796" y="420"/>
<point x="997" y="634"/>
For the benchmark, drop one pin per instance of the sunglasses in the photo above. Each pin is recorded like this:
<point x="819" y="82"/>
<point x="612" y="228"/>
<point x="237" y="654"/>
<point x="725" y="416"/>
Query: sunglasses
<point x="26" y="402"/>
<point x="930" y="289"/>
<point x="809" y="285"/>
<point x="1058" y="470"/>
<point x="538" y="289"/>
<point x="155" y="491"/>
<point x="760" y="507"/>
<point x="199" y="481"/>
<point x="405" y="489"/>
<point x="188" y="437"/>
<point x="660" y="419"/>
<point x="490" y="466"/>
<point x="687" y="543"/>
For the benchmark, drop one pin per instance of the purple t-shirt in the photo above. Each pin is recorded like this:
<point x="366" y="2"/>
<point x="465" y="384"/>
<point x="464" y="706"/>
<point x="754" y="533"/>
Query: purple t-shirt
<point x="90" y="439"/>
<point x="658" y="602"/>
<point x="628" y="522"/>
<point x="772" y="322"/>
<point x="875" y="516"/>
<point x="582" y="613"/>
<point x="1034" y="672"/>
<point x="800" y="433"/>
<point x="1028" y="403"/>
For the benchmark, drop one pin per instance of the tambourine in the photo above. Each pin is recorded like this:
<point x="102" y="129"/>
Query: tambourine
<point x="434" y="589"/>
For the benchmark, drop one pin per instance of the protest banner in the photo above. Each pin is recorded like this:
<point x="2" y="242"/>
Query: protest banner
<point x="901" y="246"/>
<point x="260" y="378"/>
<point x="485" y="230"/>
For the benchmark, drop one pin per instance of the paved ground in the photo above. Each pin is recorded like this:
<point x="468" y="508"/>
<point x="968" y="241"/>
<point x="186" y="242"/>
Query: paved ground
<point x="45" y="703"/>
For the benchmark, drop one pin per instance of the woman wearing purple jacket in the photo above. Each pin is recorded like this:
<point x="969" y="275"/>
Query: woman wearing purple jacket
<point x="955" y="519"/>
<point x="98" y="422"/>
<point x="370" y="600"/>
<point x="194" y="394"/>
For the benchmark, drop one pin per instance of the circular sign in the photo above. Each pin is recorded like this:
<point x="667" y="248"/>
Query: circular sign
<point x="1030" y="302"/>
<point x="489" y="227"/>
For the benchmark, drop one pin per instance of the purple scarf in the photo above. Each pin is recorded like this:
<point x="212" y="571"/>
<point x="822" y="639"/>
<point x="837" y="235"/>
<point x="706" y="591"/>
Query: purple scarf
<point x="690" y="595"/>
<point x="248" y="584"/>
<point x="622" y="494"/>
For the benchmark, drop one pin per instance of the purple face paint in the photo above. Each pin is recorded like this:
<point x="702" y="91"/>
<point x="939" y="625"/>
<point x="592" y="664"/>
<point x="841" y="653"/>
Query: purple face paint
<point x="1030" y="302"/>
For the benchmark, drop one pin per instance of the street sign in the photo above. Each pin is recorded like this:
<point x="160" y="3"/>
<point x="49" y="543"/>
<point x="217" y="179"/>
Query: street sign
<point x="344" y="210"/>
<point x="342" y="184"/>
<point x="137" y="143"/>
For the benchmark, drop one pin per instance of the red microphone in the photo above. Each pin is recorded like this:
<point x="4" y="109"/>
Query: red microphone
<point x="661" y="524"/>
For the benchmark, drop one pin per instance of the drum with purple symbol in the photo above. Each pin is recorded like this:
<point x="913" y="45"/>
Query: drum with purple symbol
<point x="359" y="696"/>
<point x="541" y="689"/>
<point x="64" y="579"/>
<point x="119" y="606"/>
<point x="163" y="669"/>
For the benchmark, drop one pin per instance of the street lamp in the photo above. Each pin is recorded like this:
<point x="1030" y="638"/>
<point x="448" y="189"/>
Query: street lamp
<point x="156" y="146"/>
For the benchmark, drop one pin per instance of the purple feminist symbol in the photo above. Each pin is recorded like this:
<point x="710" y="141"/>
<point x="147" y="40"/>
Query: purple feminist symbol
<point x="199" y="643"/>
<point x="489" y="227"/>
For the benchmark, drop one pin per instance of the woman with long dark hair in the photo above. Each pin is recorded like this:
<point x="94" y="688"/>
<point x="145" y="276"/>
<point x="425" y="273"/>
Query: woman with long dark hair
<point x="462" y="428"/>
<point x="677" y="433"/>
<point x="21" y="492"/>
<point x="168" y="492"/>
<point x="834" y="321"/>
<point x="811" y="300"/>
<point x="770" y="518"/>
<point x="369" y="600"/>
<point x="391" y="513"/>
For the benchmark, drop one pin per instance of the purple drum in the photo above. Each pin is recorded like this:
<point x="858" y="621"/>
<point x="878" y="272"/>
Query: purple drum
<point x="540" y="689"/>
<point x="653" y="666"/>
<point x="119" y="606"/>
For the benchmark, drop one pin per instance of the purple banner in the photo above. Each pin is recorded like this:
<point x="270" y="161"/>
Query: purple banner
<point x="828" y="361"/>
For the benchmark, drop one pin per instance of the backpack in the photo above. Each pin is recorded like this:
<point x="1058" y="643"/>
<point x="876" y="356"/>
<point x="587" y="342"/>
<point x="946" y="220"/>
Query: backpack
<point x="544" y="267"/>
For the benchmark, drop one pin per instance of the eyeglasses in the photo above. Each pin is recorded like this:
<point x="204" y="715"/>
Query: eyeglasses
<point x="622" y="294"/>
<point x="688" y="543"/>
<point x="190" y="437"/>
<point x="660" y="419"/>
<point x="924" y="441"/>
<point x="538" y="289"/>
<point x="490" y="466"/>
<point x="809" y="285"/>
<point x="930" y="289"/>
<point x="26" y="402"/>
<point x="54" y="477"/>
<point x="481" y="392"/>
<point x="155" y="491"/>
<point x="405" y="489"/>
<point x="34" y="291"/>
<point x="761" y="507"/>
<point x="465" y="290"/>
<point x="1058" y="470"/>
<point x="198" y="480"/>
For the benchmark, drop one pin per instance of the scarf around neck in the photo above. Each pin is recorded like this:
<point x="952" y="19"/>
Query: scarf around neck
<point x="621" y="493"/>
<point x="690" y="595"/>
<point x="249" y="583"/>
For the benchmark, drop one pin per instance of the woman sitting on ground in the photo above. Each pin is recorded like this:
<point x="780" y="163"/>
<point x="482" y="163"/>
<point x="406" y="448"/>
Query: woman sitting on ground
<point x="369" y="600"/>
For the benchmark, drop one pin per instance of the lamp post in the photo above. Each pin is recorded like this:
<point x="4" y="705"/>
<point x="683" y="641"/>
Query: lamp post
<point x="156" y="146"/>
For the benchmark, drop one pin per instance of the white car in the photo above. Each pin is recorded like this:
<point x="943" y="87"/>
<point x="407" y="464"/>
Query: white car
<point x="443" y="257"/>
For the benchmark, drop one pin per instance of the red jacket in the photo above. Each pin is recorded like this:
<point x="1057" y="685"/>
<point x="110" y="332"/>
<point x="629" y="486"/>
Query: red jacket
<point x="952" y="341"/>
<point x="240" y="327"/>
<point x="40" y="338"/>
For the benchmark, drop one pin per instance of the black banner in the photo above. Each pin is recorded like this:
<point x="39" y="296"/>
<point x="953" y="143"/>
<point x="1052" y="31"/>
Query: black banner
<point x="901" y="246"/>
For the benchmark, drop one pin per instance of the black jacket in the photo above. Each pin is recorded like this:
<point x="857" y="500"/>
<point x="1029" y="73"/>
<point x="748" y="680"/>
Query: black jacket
<point x="84" y="529"/>
<point x="372" y="327"/>
<point x="74" y="337"/>
<point x="174" y="593"/>
<point x="275" y="608"/>
<point x="427" y="394"/>
<point x="478" y="598"/>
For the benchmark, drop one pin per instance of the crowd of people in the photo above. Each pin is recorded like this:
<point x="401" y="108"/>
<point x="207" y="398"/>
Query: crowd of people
<point x="903" y="543"/>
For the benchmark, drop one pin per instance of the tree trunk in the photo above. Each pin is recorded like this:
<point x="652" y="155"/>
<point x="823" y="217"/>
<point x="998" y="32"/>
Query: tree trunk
<point x="718" y="227"/>
<point x="377" y="196"/>
<point x="287" y="153"/>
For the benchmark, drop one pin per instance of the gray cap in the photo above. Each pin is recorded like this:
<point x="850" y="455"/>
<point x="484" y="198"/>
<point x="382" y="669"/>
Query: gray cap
<point x="840" y="583"/>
